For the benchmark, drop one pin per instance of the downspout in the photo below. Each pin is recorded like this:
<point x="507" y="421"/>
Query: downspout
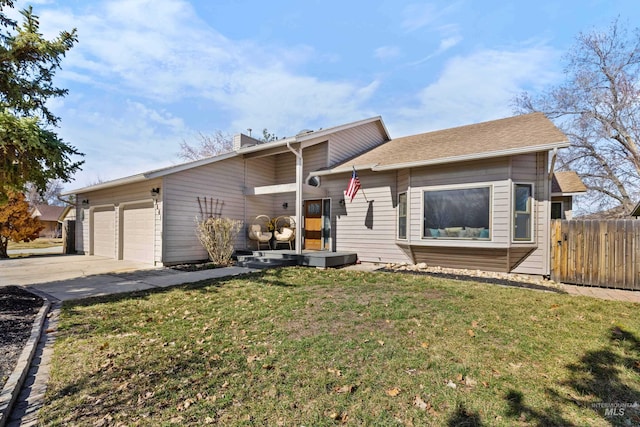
<point x="298" y="154"/>
<point x="553" y="163"/>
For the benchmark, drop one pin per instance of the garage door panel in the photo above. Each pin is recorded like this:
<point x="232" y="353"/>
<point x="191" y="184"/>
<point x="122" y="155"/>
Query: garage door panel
<point x="138" y="233"/>
<point x="104" y="238"/>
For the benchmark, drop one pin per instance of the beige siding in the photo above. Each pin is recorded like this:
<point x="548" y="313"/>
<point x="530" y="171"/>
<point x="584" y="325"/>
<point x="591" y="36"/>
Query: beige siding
<point x="533" y="168"/>
<point x="284" y="168"/>
<point x="487" y="259"/>
<point x="221" y="181"/>
<point x="492" y="172"/>
<point x="315" y="158"/>
<point x="348" y="143"/>
<point x="368" y="224"/>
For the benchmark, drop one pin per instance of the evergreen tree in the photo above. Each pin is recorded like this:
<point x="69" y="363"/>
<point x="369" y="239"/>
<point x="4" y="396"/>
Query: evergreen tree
<point x="30" y="151"/>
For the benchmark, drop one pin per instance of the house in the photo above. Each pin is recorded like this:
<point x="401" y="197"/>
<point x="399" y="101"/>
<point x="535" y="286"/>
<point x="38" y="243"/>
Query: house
<point x="564" y="186"/>
<point x="49" y="217"/>
<point x="476" y="196"/>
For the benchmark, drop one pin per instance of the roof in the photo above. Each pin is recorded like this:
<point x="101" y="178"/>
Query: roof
<point x="157" y="173"/>
<point x="510" y="136"/>
<point x="47" y="212"/>
<point x="567" y="182"/>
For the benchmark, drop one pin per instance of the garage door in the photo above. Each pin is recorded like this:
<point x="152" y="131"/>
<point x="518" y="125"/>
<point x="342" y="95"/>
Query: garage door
<point x="104" y="237"/>
<point x="138" y="233"/>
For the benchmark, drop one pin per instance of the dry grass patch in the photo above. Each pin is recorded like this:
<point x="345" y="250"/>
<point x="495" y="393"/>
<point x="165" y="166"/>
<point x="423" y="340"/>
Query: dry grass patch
<point x="307" y="347"/>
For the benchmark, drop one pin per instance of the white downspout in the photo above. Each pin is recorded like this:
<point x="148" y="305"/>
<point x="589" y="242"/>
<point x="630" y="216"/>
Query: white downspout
<point x="299" y="179"/>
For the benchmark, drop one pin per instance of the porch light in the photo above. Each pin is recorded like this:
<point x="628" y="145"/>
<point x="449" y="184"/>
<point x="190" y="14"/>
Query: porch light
<point x="85" y="203"/>
<point x="155" y="192"/>
<point x="285" y="205"/>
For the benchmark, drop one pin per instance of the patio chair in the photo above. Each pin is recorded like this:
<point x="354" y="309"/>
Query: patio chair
<point x="285" y="231"/>
<point x="258" y="231"/>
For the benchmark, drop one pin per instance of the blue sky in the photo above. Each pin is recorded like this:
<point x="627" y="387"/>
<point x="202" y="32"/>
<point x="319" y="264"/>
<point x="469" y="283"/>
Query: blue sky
<point x="148" y="74"/>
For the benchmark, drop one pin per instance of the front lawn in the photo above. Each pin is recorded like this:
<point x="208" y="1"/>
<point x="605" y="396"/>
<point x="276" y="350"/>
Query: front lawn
<point x="301" y="346"/>
<point x="39" y="243"/>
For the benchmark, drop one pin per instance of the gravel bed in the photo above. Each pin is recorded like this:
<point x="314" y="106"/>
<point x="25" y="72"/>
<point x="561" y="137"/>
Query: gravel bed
<point x="18" y="309"/>
<point x="504" y="279"/>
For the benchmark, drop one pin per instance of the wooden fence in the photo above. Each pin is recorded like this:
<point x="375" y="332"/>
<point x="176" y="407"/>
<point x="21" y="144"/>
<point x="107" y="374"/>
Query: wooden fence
<point x="596" y="252"/>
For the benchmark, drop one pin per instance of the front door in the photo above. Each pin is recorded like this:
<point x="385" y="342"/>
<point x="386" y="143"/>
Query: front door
<point x="313" y="224"/>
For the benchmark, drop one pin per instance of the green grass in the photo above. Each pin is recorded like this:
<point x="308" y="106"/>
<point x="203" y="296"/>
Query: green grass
<point x="307" y="347"/>
<point x="39" y="243"/>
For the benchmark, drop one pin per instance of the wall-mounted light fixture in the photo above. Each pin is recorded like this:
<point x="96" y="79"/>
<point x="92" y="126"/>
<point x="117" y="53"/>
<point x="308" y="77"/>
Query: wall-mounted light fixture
<point x="341" y="202"/>
<point x="285" y="205"/>
<point x="85" y="203"/>
<point x="155" y="192"/>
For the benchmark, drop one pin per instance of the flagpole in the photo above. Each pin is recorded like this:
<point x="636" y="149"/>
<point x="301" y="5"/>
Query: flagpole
<point x="361" y="189"/>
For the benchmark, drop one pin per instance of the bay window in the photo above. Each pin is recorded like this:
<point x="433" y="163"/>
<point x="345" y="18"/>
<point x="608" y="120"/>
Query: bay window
<point x="458" y="213"/>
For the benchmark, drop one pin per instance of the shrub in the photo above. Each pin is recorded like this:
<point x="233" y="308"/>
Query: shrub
<point x="217" y="236"/>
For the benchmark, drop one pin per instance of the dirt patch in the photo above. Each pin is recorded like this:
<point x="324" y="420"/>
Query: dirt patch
<point x="18" y="309"/>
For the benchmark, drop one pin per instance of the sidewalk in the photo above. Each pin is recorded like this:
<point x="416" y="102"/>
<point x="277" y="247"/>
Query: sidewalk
<point x="602" y="293"/>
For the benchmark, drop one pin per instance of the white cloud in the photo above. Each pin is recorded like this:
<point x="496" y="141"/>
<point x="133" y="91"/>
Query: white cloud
<point x="120" y="141"/>
<point x="476" y="88"/>
<point x="161" y="51"/>
<point x="419" y="15"/>
<point x="386" y="52"/>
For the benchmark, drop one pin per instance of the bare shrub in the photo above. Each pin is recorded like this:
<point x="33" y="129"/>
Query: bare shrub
<point x="217" y="236"/>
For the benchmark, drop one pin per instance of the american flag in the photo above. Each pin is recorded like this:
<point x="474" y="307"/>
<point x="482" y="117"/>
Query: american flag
<point x="354" y="186"/>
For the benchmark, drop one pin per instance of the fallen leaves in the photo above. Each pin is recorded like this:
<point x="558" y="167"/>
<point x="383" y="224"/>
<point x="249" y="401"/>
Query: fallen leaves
<point x="419" y="403"/>
<point x="345" y="389"/>
<point x="393" y="392"/>
<point x="336" y="372"/>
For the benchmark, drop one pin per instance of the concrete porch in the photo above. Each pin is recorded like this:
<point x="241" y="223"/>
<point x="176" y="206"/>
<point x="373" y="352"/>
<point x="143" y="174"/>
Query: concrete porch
<point x="280" y="258"/>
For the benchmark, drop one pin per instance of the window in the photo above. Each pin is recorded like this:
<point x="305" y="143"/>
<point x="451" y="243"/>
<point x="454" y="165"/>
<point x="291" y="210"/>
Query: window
<point x="461" y="213"/>
<point x="556" y="210"/>
<point x="402" y="216"/>
<point x="522" y="208"/>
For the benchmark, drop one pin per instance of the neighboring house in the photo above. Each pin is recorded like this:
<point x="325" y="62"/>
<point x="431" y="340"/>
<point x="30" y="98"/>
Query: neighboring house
<point x="49" y="217"/>
<point x="476" y="196"/>
<point x="564" y="186"/>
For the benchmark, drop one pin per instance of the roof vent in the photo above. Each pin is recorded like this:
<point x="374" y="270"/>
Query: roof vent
<point x="304" y="132"/>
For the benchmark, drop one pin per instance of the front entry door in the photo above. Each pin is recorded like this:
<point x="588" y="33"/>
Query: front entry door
<point x="313" y="224"/>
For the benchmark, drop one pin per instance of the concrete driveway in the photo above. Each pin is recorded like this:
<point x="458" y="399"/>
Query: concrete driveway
<point x="67" y="277"/>
<point x="43" y="269"/>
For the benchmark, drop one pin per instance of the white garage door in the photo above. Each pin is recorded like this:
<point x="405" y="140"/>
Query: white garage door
<point x="104" y="237"/>
<point x="138" y="233"/>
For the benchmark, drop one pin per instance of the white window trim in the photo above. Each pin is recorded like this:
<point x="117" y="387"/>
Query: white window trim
<point x="406" y="225"/>
<point x="533" y="214"/>
<point x="490" y="185"/>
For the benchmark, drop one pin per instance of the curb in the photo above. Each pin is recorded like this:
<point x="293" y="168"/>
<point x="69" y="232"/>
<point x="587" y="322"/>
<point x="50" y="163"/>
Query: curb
<point x="13" y="386"/>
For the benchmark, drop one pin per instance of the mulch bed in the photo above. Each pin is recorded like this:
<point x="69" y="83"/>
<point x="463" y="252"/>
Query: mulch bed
<point x="18" y="310"/>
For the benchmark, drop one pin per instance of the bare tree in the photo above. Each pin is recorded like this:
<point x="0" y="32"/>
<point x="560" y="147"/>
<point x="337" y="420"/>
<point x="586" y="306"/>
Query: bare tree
<point x="47" y="197"/>
<point x="206" y="146"/>
<point x="598" y="107"/>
